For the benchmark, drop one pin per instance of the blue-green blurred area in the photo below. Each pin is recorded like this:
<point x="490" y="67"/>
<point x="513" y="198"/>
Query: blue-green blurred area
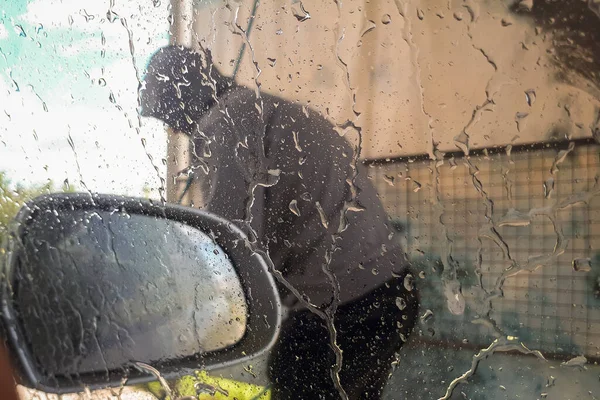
<point x="41" y="40"/>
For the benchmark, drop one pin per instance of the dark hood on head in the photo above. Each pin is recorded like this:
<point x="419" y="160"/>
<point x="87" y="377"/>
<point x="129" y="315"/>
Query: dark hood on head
<point x="180" y="85"/>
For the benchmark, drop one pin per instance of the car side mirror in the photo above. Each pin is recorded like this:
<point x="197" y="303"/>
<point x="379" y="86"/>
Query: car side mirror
<point x="93" y="284"/>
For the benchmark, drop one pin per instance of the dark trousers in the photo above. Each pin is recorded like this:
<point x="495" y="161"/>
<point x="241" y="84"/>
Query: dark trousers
<point x="370" y="330"/>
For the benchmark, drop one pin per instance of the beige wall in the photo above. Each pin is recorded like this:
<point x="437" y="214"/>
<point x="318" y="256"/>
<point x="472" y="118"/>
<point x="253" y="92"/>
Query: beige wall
<point x="415" y="80"/>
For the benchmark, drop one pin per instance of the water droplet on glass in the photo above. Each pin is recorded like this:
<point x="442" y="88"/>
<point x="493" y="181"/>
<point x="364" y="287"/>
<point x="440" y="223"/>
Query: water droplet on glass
<point x="322" y="215"/>
<point x="595" y="127"/>
<point x="582" y="265"/>
<point x="400" y="303"/>
<point x="14" y="83"/>
<point x="20" y="31"/>
<point x="374" y="271"/>
<point x="272" y="61"/>
<point x="525" y="5"/>
<point x="39" y="28"/>
<point x="70" y="141"/>
<point x="560" y="158"/>
<point x="422" y="274"/>
<point x="111" y="16"/>
<point x="279" y="32"/>
<point x="388" y="179"/>
<point x="156" y="3"/>
<point x="455" y="301"/>
<point x="462" y="142"/>
<point x="520" y="120"/>
<point x="102" y="82"/>
<point x="578" y="361"/>
<point x="88" y="17"/>
<point x="409" y="282"/>
<point x="530" y="97"/>
<point x="66" y="185"/>
<point x="296" y="141"/>
<point x="548" y="187"/>
<point x="427" y="316"/>
<point x="386" y="19"/>
<point x="306" y="196"/>
<point x="515" y="218"/>
<point x="506" y="22"/>
<point x="369" y="26"/>
<point x="416" y="186"/>
<point x="305" y="111"/>
<point x="294" y="207"/>
<point x="111" y="97"/>
<point x="458" y="16"/>
<point x="452" y="163"/>
<point x="299" y="11"/>
<point x="103" y="42"/>
<point x="420" y="14"/>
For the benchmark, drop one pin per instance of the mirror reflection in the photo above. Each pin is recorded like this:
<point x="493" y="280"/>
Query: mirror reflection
<point x="98" y="290"/>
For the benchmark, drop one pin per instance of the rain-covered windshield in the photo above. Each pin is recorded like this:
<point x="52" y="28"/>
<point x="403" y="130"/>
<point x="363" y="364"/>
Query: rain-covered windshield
<point x="422" y="177"/>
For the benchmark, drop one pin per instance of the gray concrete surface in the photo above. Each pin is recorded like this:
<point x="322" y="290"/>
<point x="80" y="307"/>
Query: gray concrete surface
<point x="425" y="371"/>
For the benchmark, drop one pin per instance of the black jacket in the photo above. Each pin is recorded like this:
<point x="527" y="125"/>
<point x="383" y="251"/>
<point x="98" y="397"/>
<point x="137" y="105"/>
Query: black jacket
<point x="302" y="166"/>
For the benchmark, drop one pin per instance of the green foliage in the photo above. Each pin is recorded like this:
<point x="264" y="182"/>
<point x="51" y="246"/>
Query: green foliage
<point x="12" y="199"/>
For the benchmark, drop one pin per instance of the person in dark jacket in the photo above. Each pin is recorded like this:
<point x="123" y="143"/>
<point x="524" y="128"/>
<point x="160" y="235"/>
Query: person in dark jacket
<point x="283" y="169"/>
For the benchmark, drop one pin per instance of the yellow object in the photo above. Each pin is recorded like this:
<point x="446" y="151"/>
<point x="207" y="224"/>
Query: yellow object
<point x="225" y="389"/>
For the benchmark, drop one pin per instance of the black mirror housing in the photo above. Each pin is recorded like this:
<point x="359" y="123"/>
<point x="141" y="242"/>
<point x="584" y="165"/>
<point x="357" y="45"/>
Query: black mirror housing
<point x="263" y="306"/>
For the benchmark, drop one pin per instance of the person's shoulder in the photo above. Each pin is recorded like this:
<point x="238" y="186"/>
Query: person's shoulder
<point x="273" y="105"/>
<point x="297" y="111"/>
<point x="238" y="93"/>
<point x="286" y="118"/>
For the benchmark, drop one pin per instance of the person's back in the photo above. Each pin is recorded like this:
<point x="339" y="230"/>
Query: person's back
<point x="303" y="200"/>
<point x="313" y="209"/>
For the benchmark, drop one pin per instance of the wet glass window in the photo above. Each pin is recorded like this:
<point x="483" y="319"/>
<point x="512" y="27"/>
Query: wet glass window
<point x="422" y="177"/>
